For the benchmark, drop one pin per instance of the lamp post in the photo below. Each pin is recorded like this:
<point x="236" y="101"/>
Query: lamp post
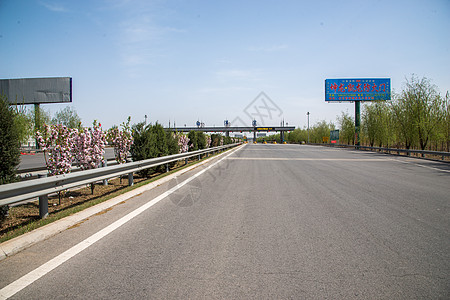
<point x="308" y="124"/>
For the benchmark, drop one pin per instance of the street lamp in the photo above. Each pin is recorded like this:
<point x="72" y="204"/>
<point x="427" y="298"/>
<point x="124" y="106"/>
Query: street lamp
<point x="308" y="124"/>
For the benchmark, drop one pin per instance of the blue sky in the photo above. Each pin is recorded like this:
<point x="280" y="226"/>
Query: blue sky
<point x="187" y="60"/>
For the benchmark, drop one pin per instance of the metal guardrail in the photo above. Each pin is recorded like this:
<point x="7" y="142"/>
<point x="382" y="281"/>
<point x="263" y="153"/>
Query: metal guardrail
<point x="408" y="152"/>
<point x="20" y="191"/>
<point x="33" y="173"/>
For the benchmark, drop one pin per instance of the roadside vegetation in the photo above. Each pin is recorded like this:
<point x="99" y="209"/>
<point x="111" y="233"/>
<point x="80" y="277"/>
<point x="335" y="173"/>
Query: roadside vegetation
<point x="65" y="142"/>
<point x="25" y="218"/>
<point x="9" y="142"/>
<point x="416" y="118"/>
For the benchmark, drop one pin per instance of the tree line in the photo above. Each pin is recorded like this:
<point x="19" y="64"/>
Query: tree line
<point x="66" y="142"/>
<point x="416" y="118"/>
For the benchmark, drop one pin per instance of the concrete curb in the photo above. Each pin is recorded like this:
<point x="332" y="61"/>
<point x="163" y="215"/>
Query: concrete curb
<point x="28" y="239"/>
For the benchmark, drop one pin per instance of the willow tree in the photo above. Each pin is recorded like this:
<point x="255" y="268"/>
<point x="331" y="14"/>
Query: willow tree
<point x="417" y="111"/>
<point x="444" y="128"/>
<point x="347" y="128"/>
<point x="377" y="123"/>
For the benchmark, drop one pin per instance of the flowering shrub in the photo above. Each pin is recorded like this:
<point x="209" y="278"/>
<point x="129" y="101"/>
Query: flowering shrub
<point x="57" y="143"/>
<point x="221" y="141"/>
<point x="121" y="140"/>
<point x="89" y="146"/>
<point x="62" y="145"/>
<point x="208" y="141"/>
<point x="183" y="143"/>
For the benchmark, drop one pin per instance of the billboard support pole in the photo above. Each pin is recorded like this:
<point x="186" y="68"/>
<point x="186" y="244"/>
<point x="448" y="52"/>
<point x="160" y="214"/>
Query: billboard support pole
<point x="37" y="121"/>
<point x="357" y="122"/>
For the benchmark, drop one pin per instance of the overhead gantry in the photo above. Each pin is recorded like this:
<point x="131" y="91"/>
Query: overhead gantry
<point x="227" y="130"/>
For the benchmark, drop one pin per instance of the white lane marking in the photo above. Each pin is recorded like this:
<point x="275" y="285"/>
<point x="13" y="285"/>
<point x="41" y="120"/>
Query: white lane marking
<point x="338" y="159"/>
<point x="419" y="165"/>
<point x="310" y="159"/>
<point x="39" y="272"/>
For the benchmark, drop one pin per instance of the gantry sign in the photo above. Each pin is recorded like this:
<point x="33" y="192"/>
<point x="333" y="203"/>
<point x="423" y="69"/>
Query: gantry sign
<point x="227" y="130"/>
<point x="357" y="90"/>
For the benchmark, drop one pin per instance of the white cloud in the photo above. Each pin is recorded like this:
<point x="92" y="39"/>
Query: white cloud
<point x="53" y="6"/>
<point x="141" y="39"/>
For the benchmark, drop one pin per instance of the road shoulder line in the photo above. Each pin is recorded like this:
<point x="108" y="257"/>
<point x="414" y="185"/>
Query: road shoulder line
<point x="28" y="239"/>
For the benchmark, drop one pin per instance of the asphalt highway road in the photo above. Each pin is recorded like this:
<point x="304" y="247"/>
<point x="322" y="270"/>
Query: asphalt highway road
<point x="267" y="222"/>
<point x="37" y="160"/>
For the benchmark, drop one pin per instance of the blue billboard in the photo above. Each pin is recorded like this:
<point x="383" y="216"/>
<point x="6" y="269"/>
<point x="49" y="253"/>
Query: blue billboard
<point x="361" y="89"/>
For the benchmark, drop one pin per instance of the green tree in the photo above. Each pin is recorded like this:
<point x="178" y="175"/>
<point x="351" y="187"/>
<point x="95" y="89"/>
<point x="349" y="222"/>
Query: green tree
<point x="227" y="140"/>
<point x="319" y="131"/>
<point x="386" y="135"/>
<point x="39" y="116"/>
<point x="376" y="124"/>
<point x="402" y="112"/>
<point x="347" y="130"/>
<point x="68" y="117"/>
<point x="9" y="142"/>
<point x="418" y="110"/>
<point x="297" y="136"/>
<point x="24" y="124"/>
<point x="172" y="143"/>
<point x="149" y="142"/>
<point x="445" y="125"/>
<point x="193" y="144"/>
<point x="201" y="140"/>
<point x="369" y="124"/>
<point x="215" y="139"/>
<point x="141" y="148"/>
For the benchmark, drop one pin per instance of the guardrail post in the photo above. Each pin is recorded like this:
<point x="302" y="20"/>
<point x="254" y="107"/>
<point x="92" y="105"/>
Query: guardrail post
<point x="167" y="168"/>
<point x="185" y="161"/>
<point x="130" y="179"/>
<point x="105" y="164"/>
<point x="43" y="206"/>
<point x="43" y="202"/>
<point x="199" y="156"/>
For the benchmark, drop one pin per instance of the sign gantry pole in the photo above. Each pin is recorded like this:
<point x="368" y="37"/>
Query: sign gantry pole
<point x="357" y="123"/>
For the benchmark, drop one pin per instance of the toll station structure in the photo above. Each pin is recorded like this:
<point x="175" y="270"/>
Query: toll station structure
<point x="227" y="130"/>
